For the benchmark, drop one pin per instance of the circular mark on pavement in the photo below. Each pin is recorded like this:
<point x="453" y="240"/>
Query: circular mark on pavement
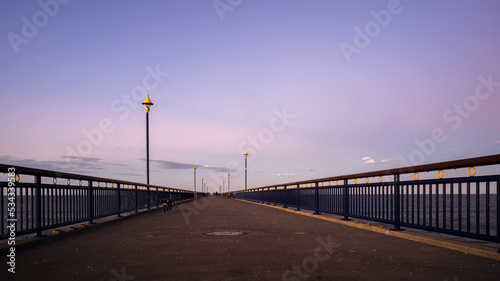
<point x="225" y="233"/>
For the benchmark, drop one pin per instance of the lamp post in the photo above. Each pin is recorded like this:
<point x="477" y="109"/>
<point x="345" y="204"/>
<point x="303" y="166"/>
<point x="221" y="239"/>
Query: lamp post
<point x="228" y="183"/>
<point x="246" y="154"/>
<point x="194" y="182"/>
<point x="147" y="106"/>
<point x="223" y="186"/>
<point x="202" y="184"/>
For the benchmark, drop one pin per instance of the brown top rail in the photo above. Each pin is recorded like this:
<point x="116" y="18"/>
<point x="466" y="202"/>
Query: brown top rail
<point x="455" y="164"/>
<point x="55" y="174"/>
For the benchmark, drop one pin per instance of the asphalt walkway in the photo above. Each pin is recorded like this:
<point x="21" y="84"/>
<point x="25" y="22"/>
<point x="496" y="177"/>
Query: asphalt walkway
<point x="277" y="245"/>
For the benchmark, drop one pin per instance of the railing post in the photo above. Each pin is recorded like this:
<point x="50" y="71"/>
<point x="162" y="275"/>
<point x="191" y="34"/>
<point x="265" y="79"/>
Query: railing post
<point x="157" y="197"/>
<point x="316" y="199"/>
<point x="284" y="197"/>
<point x="149" y="199"/>
<point x="136" y="199"/>
<point x="90" y="203"/>
<point x="119" y="200"/>
<point x="498" y="211"/>
<point x="298" y="198"/>
<point x="345" y="191"/>
<point x="397" y="213"/>
<point x="275" y="198"/>
<point x="38" y="207"/>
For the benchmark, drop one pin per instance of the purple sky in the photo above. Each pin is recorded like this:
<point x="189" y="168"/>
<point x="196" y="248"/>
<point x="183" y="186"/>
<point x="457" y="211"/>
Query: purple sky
<point x="309" y="88"/>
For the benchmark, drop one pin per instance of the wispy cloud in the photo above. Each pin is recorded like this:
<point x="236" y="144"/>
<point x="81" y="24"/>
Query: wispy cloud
<point x="172" y="165"/>
<point x="68" y="164"/>
<point x="304" y="169"/>
<point x="130" y="174"/>
<point x="82" y="159"/>
<point x="284" y="175"/>
<point x="218" y="169"/>
<point x="498" y="141"/>
<point x="368" y="160"/>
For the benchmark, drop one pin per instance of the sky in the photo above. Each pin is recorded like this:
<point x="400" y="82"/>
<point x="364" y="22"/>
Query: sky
<point x="310" y="89"/>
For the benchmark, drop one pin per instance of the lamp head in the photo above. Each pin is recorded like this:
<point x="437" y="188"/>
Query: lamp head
<point x="147" y="103"/>
<point x="246" y="154"/>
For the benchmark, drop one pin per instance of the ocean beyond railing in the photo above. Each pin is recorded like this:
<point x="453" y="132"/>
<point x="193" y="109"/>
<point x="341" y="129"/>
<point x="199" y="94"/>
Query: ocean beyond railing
<point x="466" y="206"/>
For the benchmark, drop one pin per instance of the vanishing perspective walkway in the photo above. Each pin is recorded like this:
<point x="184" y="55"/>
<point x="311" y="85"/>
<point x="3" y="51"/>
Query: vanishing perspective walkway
<point x="277" y="245"/>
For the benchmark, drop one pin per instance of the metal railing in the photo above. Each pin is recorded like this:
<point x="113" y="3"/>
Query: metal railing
<point x="465" y="206"/>
<point x="38" y="200"/>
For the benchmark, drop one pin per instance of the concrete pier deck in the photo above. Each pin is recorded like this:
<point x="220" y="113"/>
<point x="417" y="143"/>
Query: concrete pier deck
<point x="277" y="245"/>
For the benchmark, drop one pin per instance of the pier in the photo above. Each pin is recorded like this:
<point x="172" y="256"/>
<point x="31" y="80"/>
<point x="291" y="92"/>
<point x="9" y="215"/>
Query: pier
<point x="86" y="228"/>
<point x="274" y="245"/>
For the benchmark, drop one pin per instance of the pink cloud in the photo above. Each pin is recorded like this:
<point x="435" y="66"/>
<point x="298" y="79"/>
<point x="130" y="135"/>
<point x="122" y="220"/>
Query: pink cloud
<point x="285" y="175"/>
<point x="368" y="160"/>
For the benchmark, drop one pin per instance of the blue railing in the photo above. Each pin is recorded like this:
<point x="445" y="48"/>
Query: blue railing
<point x="35" y="200"/>
<point x="465" y="206"/>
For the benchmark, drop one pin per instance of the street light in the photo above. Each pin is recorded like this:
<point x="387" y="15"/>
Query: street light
<point x="147" y="106"/>
<point x="246" y="154"/>
<point x="202" y="184"/>
<point x="228" y="183"/>
<point x="194" y="182"/>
